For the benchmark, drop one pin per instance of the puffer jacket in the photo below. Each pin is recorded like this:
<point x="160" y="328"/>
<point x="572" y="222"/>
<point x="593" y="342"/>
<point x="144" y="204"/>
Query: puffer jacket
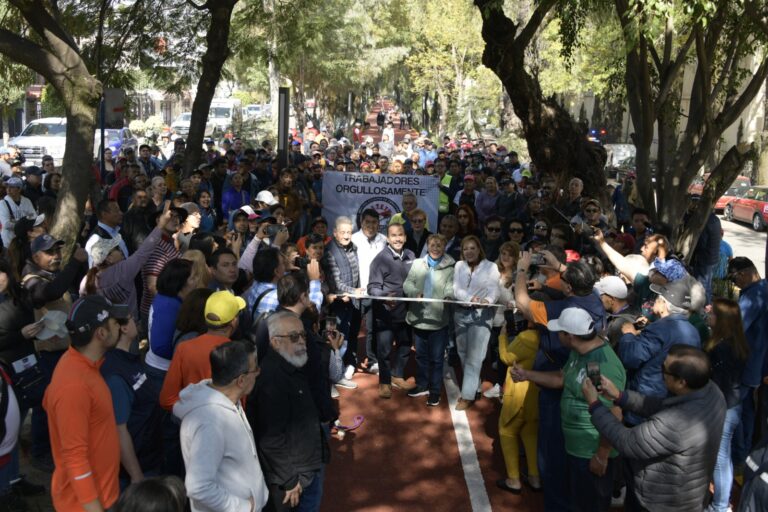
<point x="429" y="316"/>
<point x="672" y="454"/>
<point x="644" y="354"/>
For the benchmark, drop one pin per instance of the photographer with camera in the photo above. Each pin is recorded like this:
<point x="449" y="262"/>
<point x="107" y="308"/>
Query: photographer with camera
<point x="268" y="234"/>
<point x="589" y="456"/>
<point x="585" y="224"/>
<point x="614" y="296"/>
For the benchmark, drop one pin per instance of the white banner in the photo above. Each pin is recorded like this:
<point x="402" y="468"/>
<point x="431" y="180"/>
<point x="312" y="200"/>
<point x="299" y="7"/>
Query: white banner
<point x="349" y="193"/>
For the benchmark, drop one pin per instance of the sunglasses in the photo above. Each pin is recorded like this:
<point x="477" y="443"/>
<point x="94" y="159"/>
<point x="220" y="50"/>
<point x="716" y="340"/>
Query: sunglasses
<point x="515" y="230"/>
<point x="494" y="230"/>
<point x="540" y="227"/>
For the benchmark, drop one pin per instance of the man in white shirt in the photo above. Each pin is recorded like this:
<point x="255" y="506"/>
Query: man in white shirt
<point x="13" y="207"/>
<point x="5" y="163"/>
<point x="369" y="242"/>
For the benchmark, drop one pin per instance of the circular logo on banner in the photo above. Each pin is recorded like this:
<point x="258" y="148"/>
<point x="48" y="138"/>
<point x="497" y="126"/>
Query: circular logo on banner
<point x="385" y="207"/>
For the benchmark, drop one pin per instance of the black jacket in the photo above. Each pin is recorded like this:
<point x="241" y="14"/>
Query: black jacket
<point x="388" y="273"/>
<point x="290" y="439"/>
<point x="13" y="316"/>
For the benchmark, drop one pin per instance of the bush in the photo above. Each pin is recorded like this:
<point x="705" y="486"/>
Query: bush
<point x="137" y="127"/>
<point x="154" y="124"/>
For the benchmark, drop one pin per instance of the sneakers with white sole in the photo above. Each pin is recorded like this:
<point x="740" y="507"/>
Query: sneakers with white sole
<point x="347" y="384"/>
<point x="494" y="392"/>
<point x="334" y="392"/>
<point x="374" y="369"/>
<point x="349" y="372"/>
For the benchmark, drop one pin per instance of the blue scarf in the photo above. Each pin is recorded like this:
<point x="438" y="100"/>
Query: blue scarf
<point x="428" y="282"/>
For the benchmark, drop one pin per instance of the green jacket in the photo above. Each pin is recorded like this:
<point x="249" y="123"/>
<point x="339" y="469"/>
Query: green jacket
<point x="429" y="316"/>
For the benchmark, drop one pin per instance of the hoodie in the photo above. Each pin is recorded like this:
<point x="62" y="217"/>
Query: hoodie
<point x="219" y="452"/>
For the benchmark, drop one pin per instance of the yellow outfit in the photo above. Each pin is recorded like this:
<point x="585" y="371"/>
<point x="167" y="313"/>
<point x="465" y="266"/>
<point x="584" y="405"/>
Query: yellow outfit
<point x="519" y="417"/>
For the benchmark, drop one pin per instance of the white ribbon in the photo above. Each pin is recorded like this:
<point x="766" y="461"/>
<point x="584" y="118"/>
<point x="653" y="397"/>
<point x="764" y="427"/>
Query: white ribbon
<point x="424" y="299"/>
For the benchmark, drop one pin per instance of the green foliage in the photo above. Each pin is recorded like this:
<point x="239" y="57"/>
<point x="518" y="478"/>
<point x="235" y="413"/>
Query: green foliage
<point x="51" y="102"/>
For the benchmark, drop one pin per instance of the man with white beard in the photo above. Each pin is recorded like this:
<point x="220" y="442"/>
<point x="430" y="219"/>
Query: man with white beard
<point x="291" y="440"/>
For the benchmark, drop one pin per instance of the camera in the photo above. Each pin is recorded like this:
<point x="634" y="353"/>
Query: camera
<point x="538" y="259"/>
<point x="301" y="261"/>
<point x="593" y="372"/>
<point x="273" y="230"/>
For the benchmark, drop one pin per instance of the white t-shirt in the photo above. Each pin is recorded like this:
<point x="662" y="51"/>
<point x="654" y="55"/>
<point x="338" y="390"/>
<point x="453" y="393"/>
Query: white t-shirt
<point x="366" y="251"/>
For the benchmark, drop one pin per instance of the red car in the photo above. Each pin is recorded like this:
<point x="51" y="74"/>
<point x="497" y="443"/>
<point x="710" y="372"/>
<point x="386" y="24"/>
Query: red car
<point x="752" y="207"/>
<point x="737" y="189"/>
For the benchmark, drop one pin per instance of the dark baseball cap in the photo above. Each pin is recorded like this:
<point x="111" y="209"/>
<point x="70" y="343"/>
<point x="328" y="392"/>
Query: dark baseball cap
<point x="678" y="293"/>
<point x="740" y="263"/>
<point x="44" y="243"/>
<point x="89" y="313"/>
<point x="33" y="170"/>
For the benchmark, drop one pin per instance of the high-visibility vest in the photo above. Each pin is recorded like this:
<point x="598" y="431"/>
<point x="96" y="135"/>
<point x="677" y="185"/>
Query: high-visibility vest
<point x="445" y="201"/>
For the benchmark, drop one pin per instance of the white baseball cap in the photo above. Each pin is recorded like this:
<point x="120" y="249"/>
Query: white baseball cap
<point x="265" y="196"/>
<point x="613" y="286"/>
<point x="574" y="321"/>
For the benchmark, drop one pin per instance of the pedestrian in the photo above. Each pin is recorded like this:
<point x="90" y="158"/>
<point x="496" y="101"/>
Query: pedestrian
<point x="223" y="469"/>
<point x="84" y="435"/>
<point x="672" y="455"/>
<point x="476" y="283"/>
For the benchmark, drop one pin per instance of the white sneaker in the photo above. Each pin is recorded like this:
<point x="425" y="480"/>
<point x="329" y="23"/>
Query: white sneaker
<point x="349" y="372"/>
<point x="334" y="392"/>
<point x="494" y="392"/>
<point x="618" y="501"/>
<point x="347" y="384"/>
<point x="374" y="369"/>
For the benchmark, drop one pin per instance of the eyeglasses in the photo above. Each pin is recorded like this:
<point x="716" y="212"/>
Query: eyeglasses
<point x="540" y="226"/>
<point x="494" y="230"/>
<point x="256" y="371"/>
<point x="516" y="230"/>
<point x="591" y="210"/>
<point x="293" y="336"/>
<point x="664" y="371"/>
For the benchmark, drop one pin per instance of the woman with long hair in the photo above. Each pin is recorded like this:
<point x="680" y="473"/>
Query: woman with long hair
<point x="191" y="320"/>
<point x="467" y="223"/>
<point x="509" y="252"/>
<point x="201" y="273"/>
<point x="728" y="351"/>
<point x="476" y="283"/>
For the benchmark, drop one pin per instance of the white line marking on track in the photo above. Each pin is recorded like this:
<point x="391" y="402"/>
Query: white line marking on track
<point x="478" y="496"/>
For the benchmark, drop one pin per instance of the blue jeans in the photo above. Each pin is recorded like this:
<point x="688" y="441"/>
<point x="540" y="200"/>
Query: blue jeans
<point x="385" y="335"/>
<point x="551" y="453"/>
<point x="723" y="476"/>
<point x="430" y="354"/>
<point x="745" y="429"/>
<point x="589" y="492"/>
<point x="349" y="325"/>
<point x="473" y="330"/>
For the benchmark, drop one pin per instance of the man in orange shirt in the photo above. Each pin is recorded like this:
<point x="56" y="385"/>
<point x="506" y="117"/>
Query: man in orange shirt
<point x="191" y="361"/>
<point x="81" y="421"/>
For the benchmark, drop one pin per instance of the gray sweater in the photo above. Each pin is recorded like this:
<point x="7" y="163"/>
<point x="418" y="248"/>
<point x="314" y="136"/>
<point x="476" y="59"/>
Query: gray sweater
<point x="672" y="454"/>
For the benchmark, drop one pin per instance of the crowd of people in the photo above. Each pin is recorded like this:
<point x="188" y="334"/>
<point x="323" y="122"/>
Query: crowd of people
<point x="203" y="324"/>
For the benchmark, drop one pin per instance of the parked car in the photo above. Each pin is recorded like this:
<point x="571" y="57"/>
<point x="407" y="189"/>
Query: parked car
<point x="752" y="207"/>
<point x="181" y="125"/>
<point x="46" y="136"/>
<point x="116" y="139"/>
<point x="740" y="185"/>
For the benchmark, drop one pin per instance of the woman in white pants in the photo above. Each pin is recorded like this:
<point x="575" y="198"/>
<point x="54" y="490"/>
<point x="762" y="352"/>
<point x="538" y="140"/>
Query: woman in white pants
<point x="475" y="280"/>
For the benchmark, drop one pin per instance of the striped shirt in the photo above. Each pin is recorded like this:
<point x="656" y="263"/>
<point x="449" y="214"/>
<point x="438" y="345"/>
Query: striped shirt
<point x="163" y="253"/>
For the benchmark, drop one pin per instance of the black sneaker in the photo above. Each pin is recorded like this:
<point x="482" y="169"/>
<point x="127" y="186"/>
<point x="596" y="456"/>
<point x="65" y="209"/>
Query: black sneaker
<point x="433" y="401"/>
<point x="24" y="487"/>
<point x="417" y="391"/>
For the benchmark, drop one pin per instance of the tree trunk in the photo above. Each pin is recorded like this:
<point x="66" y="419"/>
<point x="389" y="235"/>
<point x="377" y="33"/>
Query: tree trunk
<point x="81" y="100"/>
<point x="556" y="143"/>
<point x="216" y="53"/>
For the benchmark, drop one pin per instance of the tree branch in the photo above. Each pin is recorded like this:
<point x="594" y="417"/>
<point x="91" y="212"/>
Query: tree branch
<point x="534" y="23"/>
<point x="206" y="6"/>
<point x="729" y="115"/>
<point x="30" y="54"/>
<point x="671" y="73"/>
<point x="753" y="12"/>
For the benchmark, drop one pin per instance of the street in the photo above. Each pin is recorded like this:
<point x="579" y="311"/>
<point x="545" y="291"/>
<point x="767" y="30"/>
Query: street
<point x="746" y="242"/>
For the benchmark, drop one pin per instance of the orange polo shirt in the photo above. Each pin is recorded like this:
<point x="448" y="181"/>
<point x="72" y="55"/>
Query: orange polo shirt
<point x="84" y="440"/>
<point x="190" y="364"/>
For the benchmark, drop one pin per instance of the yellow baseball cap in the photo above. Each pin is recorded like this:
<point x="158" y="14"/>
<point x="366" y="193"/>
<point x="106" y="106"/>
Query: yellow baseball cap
<point x="222" y="307"/>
